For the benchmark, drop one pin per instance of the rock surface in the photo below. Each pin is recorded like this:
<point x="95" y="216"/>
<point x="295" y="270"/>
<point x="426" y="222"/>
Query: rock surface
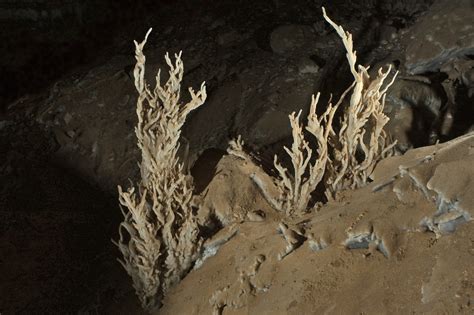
<point x="412" y="220"/>
<point x="414" y="109"/>
<point x="287" y="39"/>
<point x="444" y="33"/>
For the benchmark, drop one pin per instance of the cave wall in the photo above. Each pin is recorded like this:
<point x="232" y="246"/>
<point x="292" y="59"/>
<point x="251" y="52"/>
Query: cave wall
<point x="42" y="39"/>
<point x="41" y="13"/>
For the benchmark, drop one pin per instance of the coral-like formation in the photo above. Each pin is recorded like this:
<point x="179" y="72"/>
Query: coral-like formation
<point x="295" y="189"/>
<point x="364" y="116"/>
<point x="346" y="158"/>
<point x="159" y="237"/>
<point x="163" y="239"/>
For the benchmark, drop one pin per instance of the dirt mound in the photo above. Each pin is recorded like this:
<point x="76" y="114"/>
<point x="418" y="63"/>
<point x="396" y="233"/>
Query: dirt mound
<point x="402" y="244"/>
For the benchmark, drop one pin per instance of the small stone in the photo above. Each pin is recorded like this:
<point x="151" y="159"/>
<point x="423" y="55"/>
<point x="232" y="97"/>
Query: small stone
<point x="70" y="133"/>
<point x="256" y="216"/>
<point x="67" y="118"/>
<point x="308" y="66"/>
<point x="95" y="149"/>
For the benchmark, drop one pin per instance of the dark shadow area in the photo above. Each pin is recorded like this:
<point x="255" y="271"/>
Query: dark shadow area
<point x="204" y="168"/>
<point x="55" y="230"/>
<point x="42" y="41"/>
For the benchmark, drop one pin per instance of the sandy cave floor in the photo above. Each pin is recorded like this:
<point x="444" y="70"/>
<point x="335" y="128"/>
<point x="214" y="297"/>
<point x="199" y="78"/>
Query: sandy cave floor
<point x="386" y="248"/>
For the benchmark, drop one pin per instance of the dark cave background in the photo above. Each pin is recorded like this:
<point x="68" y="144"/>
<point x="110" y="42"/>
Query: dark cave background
<point x="55" y="224"/>
<point x="44" y="39"/>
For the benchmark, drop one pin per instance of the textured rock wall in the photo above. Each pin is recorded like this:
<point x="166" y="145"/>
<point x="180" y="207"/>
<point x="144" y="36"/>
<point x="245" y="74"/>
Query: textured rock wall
<point x="41" y="12"/>
<point x="43" y="39"/>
